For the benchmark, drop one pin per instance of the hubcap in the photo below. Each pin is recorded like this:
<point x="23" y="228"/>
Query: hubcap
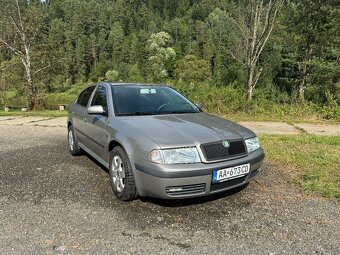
<point x="70" y="139"/>
<point x="118" y="173"/>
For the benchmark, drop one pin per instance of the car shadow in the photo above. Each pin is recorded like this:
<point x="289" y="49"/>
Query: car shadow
<point x="96" y="162"/>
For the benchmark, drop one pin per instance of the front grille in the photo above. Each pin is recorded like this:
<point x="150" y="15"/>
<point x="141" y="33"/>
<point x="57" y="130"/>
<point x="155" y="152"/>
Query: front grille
<point x="216" y="151"/>
<point x="185" y="189"/>
<point x="227" y="184"/>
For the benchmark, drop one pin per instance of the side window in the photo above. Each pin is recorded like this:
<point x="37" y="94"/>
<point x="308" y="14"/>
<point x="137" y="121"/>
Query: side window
<point x="80" y="96"/>
<point x="84" y="97"/>
<point x="100" y="97"/>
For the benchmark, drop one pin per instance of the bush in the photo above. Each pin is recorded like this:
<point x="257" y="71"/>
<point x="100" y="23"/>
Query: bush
<point x="52" y="101"/>
<point x="224" y="100"/>
<point x="14" y="98"/>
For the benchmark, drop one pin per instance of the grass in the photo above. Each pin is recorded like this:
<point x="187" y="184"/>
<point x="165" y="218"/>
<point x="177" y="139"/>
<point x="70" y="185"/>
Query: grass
<point x="277" y="118"/>
<point x="43" y="113"/>
<point x="313" y="161"/>
<point x="289" y="116"/>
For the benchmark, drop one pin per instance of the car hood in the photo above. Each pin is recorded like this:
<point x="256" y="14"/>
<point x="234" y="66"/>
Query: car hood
<point x="177" y="130"/>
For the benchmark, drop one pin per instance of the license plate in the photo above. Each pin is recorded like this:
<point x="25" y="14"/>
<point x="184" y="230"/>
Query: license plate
<point x="230" y="173"/>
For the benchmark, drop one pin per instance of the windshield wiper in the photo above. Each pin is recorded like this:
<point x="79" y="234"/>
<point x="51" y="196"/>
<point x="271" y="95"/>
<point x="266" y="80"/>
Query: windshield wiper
<point x="154" y="113"/>
<point x="136" y="113"/>
<point x="178" y="112"/>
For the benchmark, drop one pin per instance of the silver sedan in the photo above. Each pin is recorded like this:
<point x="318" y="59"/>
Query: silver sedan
<point x="157" y="143"/>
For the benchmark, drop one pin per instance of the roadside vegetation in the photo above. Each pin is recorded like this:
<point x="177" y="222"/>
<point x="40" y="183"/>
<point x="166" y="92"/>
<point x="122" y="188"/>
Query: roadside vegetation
<point x="225" y="101"/>
<point x="311" y="161"/>
<point x="42" y="113"/>
<point x="255" y="58"/>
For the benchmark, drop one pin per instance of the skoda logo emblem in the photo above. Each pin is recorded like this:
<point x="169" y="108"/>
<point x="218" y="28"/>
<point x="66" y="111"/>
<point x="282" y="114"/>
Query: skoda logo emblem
<point x="226" y="144"/>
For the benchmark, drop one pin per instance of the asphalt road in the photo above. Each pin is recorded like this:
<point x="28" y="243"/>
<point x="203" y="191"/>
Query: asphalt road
<point x="53" y="203"/>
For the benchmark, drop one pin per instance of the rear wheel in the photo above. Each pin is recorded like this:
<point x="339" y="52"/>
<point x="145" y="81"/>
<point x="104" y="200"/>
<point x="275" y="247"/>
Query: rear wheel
<point x="122" y="180"/>
<point x="73" y="146"/>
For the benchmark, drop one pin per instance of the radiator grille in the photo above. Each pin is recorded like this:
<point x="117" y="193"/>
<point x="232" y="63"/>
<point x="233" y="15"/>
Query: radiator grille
<point x="216" y="151"/>
<point x="186" y="189"/>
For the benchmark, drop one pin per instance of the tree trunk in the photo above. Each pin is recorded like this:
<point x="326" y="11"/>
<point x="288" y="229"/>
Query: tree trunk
<point x="30" y="87"/>
<point x="303" y="82"/>
<point x="250" y="83"/>
<point x="31" y="93"/>
<point x="335" y="81"/>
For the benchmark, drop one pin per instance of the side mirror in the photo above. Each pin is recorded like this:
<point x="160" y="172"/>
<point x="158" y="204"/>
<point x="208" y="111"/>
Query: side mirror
<point x="96" y="110"/>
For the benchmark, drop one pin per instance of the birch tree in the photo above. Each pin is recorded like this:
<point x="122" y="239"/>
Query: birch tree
<point x="254" y="25"/>
<point x="20" y="26"/>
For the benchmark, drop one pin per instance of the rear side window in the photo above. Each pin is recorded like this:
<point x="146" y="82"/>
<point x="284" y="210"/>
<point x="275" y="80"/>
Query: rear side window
<point x="84" y="97"/>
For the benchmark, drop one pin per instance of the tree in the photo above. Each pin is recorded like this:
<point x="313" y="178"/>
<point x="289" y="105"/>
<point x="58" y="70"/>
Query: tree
<point x="218" y="32"/>
<point x="160" y="55"/>
<point x="112" y="75"/>
<point x="190" y="69"/>
<point x="80" y="41"/>
<point x="316" y="25"/>
<point x="21" y="25"/>
<point x="82" y="57"/>
<point x="134" y="74"/>
<point x="254" y="24"/>
<point x="116" y="39"/>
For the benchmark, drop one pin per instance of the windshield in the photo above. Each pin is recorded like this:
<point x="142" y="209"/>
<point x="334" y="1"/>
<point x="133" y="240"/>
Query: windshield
<point x="150" y="100"/>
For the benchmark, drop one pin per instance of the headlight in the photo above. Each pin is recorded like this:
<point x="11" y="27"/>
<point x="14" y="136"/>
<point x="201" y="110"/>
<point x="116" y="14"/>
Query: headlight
<point x="175" y="156"/>
<point x="252" y="144"/>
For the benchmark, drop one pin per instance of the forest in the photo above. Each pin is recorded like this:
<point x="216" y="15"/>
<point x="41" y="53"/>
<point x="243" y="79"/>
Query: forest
<point x="258" y="56"/>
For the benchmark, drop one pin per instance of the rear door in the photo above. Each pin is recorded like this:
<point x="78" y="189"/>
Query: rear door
<point x="95" y="125"/>
<point x="78" y="113"/>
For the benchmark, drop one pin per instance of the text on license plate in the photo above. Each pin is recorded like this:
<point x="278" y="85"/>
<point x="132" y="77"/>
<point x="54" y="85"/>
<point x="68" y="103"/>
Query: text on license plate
<point x="230" y="173"/>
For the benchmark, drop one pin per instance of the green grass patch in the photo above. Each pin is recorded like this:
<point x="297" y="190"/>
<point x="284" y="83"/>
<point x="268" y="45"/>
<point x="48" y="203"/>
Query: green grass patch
<point x="44" y="113"/>
<point x="243" y="116"/>
<point x="313" y="161"/>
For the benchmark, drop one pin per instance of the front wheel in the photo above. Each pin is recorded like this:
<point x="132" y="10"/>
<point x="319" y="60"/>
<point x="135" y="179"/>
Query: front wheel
<point x="122" y="180"/>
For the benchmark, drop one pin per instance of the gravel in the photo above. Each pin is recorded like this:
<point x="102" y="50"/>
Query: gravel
<point x="53" y="203"/>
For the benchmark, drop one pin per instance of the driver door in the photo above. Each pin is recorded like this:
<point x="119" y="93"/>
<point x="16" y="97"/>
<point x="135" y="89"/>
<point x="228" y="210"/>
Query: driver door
<point x="95" y="124"/>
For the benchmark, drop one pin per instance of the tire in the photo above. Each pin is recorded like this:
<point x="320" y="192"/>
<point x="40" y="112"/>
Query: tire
<point x="121" y="175"/>
<point x="73" y="145"/>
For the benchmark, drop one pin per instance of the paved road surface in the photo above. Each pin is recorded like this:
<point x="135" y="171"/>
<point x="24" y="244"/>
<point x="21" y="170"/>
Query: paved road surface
<point x="53" y="203"/>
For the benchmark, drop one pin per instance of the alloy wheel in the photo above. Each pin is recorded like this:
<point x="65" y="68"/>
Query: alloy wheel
<point x="118" y="173"/>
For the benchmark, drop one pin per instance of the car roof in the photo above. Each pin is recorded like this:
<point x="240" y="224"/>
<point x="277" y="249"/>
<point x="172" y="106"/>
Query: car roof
<point x="133" y="84"/>
<point x="125" y="84"/>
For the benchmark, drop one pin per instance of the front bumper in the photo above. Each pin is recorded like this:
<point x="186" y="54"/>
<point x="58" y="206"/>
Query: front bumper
<point x="190" y="180"/>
